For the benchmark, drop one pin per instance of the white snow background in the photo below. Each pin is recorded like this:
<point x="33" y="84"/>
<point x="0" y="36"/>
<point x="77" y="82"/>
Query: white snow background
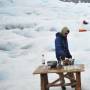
<point x="27" y="30"/>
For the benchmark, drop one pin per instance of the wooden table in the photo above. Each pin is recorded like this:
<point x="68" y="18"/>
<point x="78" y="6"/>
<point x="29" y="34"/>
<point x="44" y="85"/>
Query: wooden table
<point x="44" y="71"/>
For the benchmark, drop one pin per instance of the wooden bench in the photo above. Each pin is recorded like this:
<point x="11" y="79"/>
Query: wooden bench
<point x="44" y="71"/>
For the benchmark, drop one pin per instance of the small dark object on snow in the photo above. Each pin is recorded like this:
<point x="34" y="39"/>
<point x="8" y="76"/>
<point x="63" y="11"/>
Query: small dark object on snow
<point x="85" y="22"/>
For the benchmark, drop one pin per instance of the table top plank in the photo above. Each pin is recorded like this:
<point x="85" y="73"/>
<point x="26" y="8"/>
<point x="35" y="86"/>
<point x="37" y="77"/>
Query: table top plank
<point x="70" y="68"/>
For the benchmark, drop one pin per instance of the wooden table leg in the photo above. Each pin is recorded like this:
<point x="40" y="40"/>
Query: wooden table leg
<point x="61" y="76"/>
<point x="78" y="81"/>
<point x="44" y="82"/>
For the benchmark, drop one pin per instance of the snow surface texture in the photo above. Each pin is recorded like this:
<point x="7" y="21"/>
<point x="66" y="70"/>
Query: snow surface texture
<point x="27" y="30"/>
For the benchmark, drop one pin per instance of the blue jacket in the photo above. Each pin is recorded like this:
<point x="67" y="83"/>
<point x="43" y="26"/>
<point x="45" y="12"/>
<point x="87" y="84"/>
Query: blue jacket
<point x="61" y="47"/>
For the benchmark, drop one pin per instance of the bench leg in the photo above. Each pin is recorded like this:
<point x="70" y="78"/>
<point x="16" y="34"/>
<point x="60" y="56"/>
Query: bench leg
<point x="78" y="81"/>
<point x="44" y="82"/>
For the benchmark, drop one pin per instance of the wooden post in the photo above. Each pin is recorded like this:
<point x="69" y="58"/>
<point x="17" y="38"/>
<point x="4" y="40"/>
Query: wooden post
<point x="78" y="81"/>
<point x="44" y="82"/>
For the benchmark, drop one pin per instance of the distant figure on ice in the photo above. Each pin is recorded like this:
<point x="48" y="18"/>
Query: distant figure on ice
<point x="61" y="44"/>
<point x="85" y="22"/>
<point x="84" y="26"/>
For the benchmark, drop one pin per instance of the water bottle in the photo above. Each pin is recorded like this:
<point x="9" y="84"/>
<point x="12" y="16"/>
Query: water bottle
<point x="43" y="59"/>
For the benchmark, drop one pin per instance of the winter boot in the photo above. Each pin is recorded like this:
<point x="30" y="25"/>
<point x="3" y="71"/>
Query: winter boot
<point x="63" y="88"/>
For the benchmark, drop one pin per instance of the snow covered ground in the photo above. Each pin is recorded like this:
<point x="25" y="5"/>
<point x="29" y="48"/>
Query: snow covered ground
<point x="27" y="30"/>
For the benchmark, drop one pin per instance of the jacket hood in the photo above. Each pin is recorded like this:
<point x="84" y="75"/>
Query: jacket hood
<point x="64" y="30"/>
